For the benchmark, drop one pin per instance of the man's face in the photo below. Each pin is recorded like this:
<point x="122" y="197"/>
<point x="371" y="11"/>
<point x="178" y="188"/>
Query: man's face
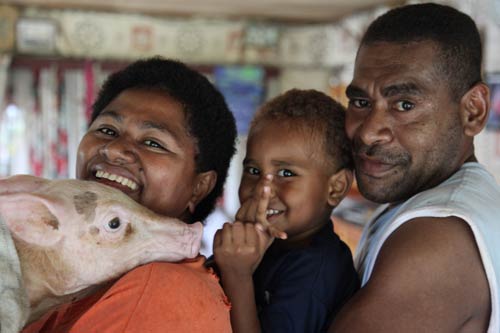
<point x="140" y="144"/>
<point x="405" y="127"/>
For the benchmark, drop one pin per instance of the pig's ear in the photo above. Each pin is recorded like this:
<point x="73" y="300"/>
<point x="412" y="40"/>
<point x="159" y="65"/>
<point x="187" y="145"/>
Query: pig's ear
<point x="28" y="218"/>
<point x="21" y="183"/>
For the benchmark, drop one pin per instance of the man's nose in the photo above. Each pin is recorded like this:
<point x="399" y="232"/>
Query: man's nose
<point x="376" y="126"/>
<point x="119" y="151"/>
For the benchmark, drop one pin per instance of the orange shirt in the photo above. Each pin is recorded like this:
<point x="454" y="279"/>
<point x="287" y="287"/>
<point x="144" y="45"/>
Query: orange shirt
<point x="158" y="297"/>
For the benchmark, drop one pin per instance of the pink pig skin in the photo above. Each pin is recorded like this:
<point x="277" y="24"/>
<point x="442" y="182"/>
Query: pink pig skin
<point x="73" y="234"/>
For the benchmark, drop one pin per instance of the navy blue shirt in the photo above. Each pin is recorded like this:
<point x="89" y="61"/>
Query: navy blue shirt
<point x="301" y="289"/>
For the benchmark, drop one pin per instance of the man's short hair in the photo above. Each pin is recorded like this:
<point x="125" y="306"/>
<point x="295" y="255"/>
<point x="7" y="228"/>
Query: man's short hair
<point x="209" y="119"/>
<point x="316" y="112"/>
<point x="454" y="32"/>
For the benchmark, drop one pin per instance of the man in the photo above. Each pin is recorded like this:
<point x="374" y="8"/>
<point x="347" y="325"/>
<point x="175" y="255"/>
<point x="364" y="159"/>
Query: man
<point x="429" y="261"/>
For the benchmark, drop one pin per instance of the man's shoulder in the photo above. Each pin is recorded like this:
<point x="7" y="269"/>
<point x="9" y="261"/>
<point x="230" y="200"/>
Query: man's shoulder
<point x="430" y="239"/>
<point x="435" y="255"/>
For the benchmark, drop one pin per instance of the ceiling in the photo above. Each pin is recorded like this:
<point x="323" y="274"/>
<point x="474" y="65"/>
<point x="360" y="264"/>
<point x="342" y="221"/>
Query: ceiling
<point x="285" y="10"/>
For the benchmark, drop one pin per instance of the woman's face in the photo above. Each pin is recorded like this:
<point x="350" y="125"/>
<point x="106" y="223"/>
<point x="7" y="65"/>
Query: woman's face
<point x="140" y="145"/>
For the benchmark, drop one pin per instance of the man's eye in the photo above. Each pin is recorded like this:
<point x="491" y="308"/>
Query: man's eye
<point x="404" y="106"/>
<point x="252" y="170"/>
<point x="285" y="173"/>
<point x="359" y="103"/>
<point x="153" y="144"/>
<point x="107" y="131"/>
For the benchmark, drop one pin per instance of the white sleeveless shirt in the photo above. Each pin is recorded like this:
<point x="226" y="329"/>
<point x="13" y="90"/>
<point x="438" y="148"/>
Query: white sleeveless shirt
<point x="471" y="194"/>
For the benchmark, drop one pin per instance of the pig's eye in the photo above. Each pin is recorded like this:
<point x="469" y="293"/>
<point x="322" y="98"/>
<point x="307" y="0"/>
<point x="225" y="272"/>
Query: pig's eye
<point x="114" y="224"/>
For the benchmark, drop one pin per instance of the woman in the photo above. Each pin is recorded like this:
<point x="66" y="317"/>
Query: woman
<point x="161" y="133"/>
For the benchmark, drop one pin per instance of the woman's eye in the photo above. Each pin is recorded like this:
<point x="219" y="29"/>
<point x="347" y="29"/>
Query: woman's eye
<point x="252" y="170"/>
<point x="285" y="173"/>
<point x="107" y="131"/>
<point x="359" y="103"/>
<point x="153" y="144"/>
<point x="404" y="106"/>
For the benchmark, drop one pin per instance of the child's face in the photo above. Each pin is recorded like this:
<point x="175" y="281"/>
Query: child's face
<point x="141" y="136"/>
<point x="299" y="191"/>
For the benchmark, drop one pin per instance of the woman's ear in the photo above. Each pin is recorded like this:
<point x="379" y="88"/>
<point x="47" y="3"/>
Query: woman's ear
<point x="474" y="107"/>
<point x="205" y="182"/>
<point x="338" y="186"/>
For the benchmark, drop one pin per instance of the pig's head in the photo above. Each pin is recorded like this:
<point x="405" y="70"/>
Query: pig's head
<point x="85" y="233"/>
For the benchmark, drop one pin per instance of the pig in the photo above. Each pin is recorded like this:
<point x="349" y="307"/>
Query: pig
<point x="71" y="235"/>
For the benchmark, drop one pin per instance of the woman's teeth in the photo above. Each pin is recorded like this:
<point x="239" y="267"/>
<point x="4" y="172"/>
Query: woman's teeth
<point x="118" y="179"/>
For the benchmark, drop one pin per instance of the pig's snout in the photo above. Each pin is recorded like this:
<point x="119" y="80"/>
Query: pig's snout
<point x="178" y="241"/>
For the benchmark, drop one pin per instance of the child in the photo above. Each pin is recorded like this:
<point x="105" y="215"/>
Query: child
<point x="297" y="168"/>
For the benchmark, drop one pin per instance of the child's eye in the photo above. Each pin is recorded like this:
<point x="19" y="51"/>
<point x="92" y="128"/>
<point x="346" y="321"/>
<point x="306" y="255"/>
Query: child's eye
<point x="153" y="144"/>
<point x="404" y="106"/>
<point x="285" y="173"/>
<point x="252" y="171"/>
<point x="107" y="131"/>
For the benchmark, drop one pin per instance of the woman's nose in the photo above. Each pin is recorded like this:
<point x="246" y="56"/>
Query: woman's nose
<point x="119" y="151"/>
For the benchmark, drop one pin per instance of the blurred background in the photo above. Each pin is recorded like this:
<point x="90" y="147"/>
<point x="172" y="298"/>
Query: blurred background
<point x="54" y="55"/>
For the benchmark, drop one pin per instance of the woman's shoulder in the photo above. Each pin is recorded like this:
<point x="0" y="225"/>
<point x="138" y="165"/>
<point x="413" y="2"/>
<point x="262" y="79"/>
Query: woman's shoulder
<point x="164" y="276"/>
<point x="164" y="295"/>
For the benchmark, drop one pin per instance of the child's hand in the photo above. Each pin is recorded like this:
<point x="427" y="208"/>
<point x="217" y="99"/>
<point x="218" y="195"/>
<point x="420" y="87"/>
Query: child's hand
<point x="254" y="210"/>
<point x="239" y="248"/>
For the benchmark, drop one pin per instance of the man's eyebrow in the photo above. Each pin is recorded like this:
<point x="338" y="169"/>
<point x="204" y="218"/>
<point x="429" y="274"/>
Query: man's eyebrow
<point x="354" y="91"/>
<point x="401" y="88"/>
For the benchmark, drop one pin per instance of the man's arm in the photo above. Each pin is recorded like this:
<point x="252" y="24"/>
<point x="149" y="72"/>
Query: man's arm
<point x="428" y="277"/>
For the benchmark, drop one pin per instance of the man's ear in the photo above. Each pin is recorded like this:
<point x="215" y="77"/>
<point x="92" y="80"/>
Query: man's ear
<point x="205" y="182"/>
<point x="475" y="106"/>
<point x="338" y="186"/>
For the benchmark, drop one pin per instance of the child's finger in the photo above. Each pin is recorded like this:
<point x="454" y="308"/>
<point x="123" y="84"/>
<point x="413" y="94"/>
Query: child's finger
<point x="264" y="238"/>
<point x="275" y="232"/>
<point x="251" y="237"/>
<point x="242" y="211"/>
<point x="262" y="205"/>
<point x="238" y="233"/>
<point x="246" y="213"/>
<point x="272" y="231"/>
<point x="217" y="238"/>
<point x="227" y="233"/>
